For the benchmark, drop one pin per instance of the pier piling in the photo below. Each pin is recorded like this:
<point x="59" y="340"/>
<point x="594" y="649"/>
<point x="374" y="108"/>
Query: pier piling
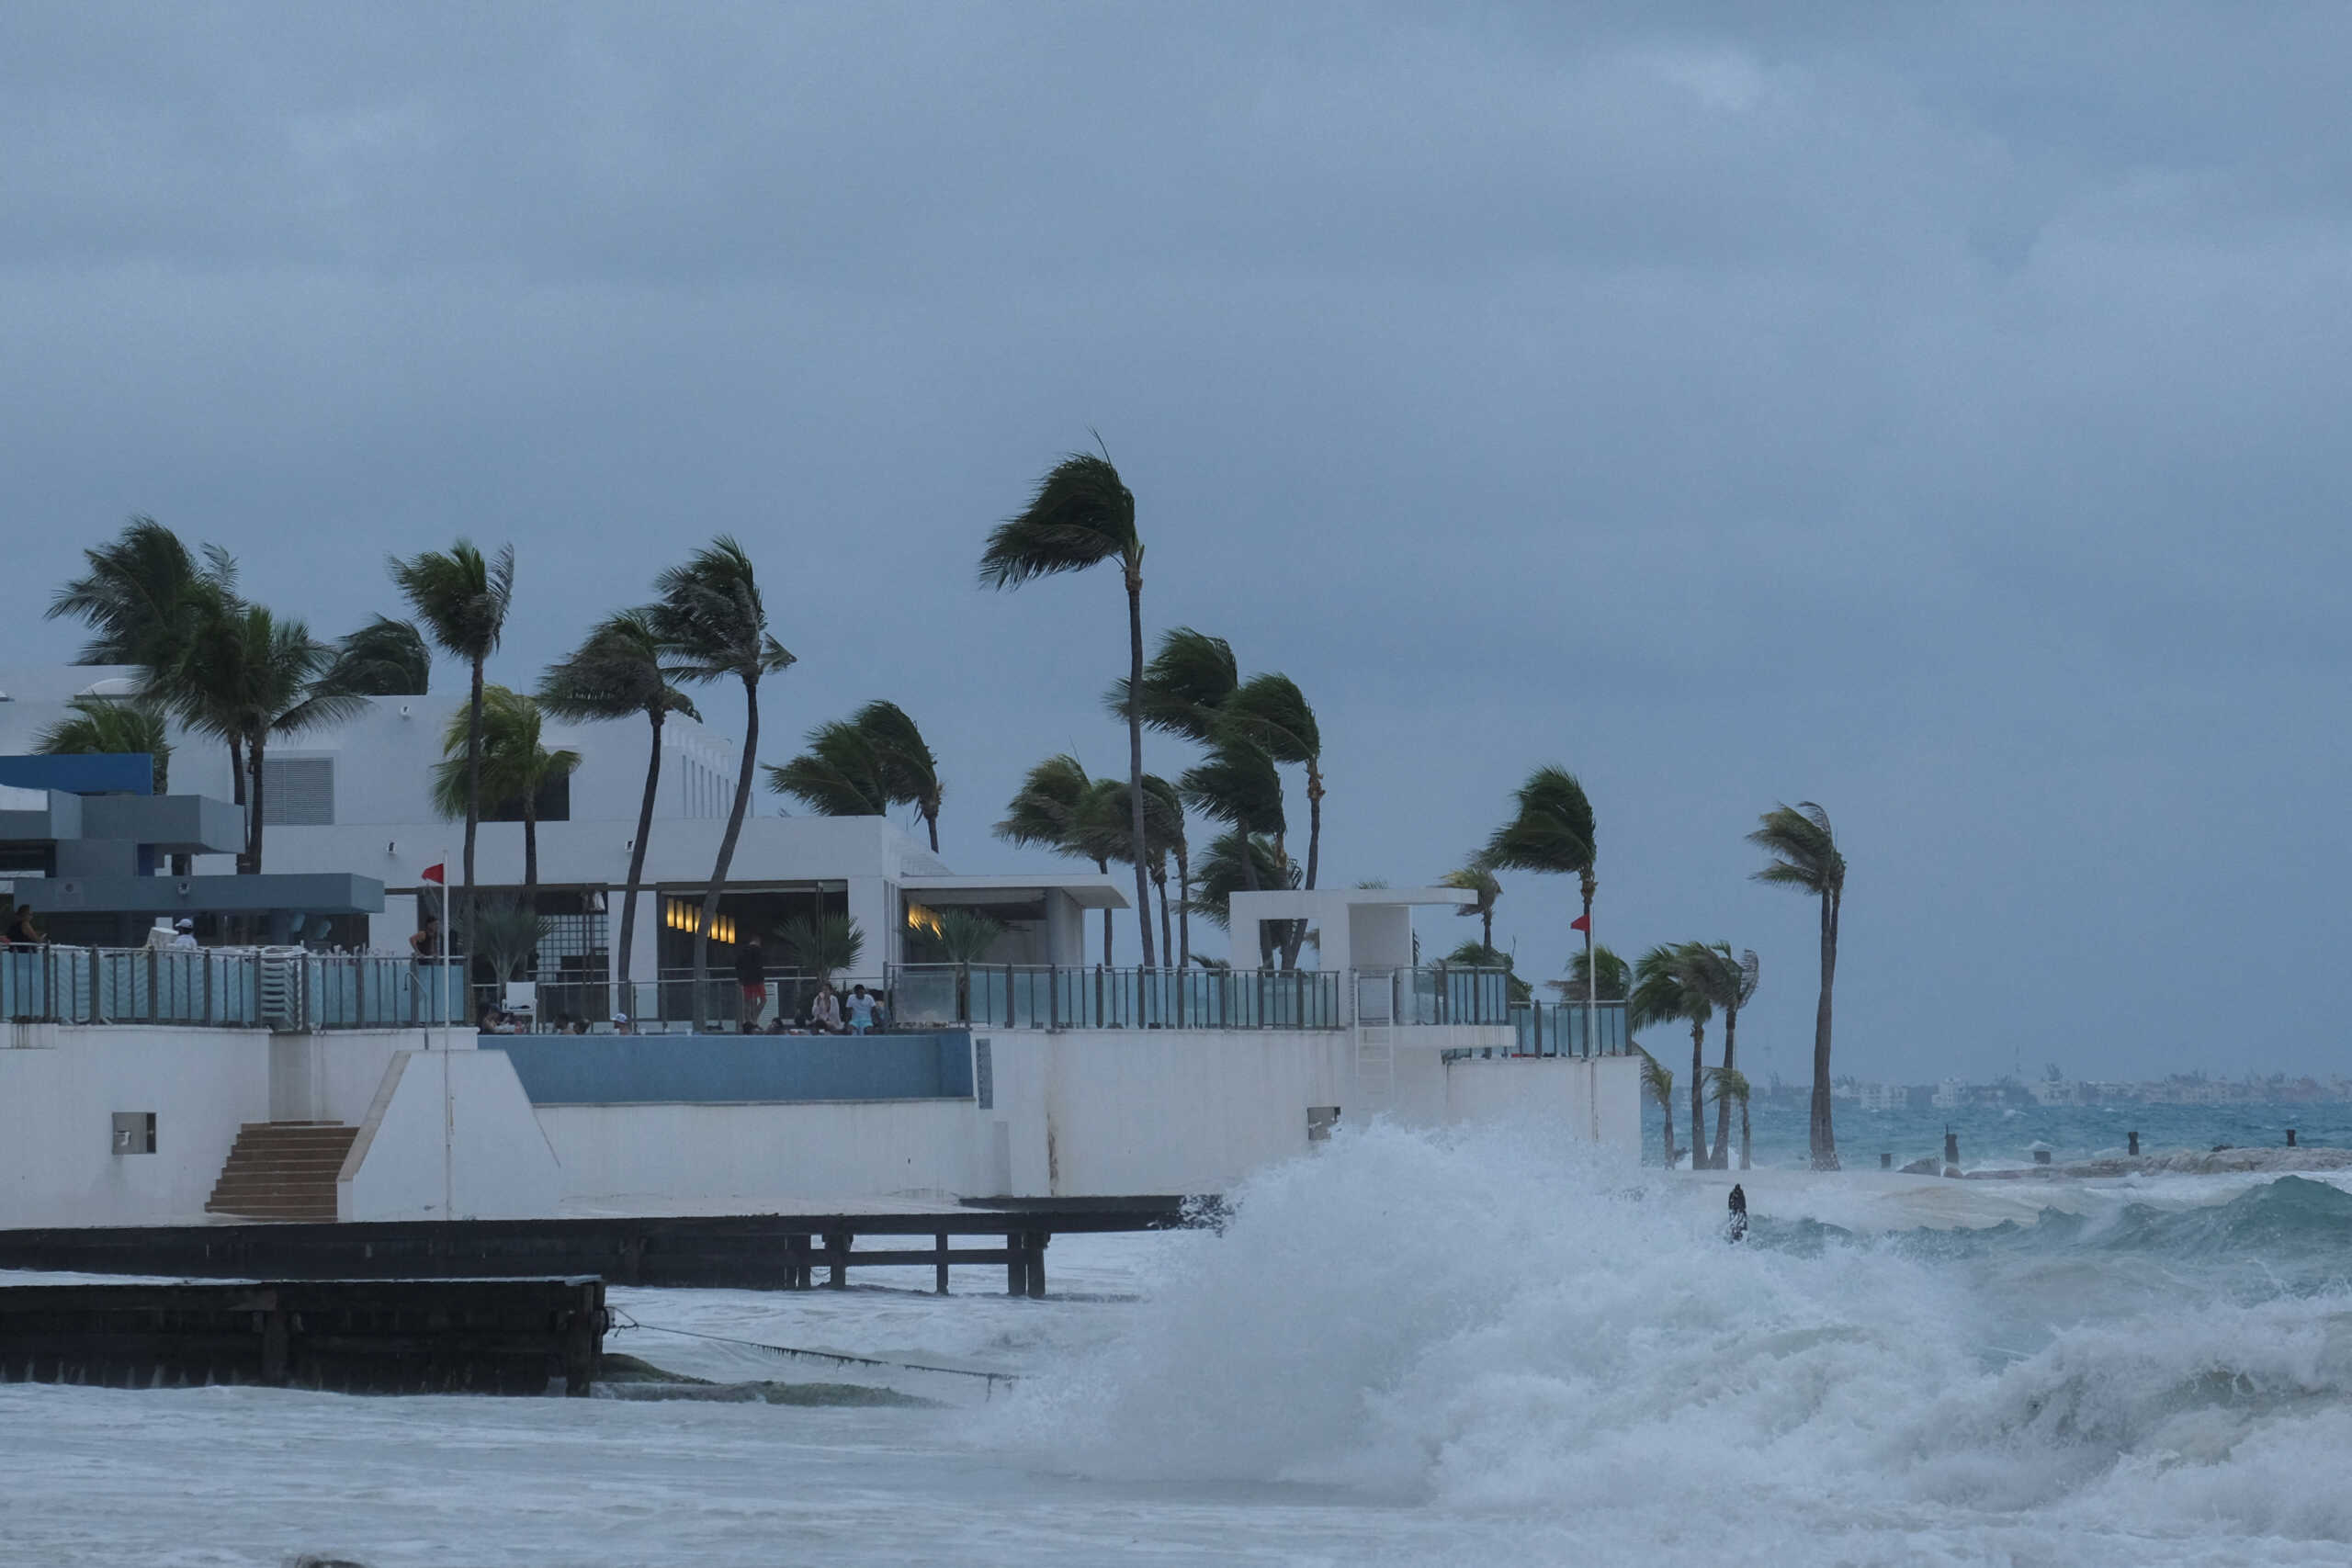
<point x="2290" y="1137"/>
<point x="2134" y="1138"/>
<point x="1952" y="1152"/>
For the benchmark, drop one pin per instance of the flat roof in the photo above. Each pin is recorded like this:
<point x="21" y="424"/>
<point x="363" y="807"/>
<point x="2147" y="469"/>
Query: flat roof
<point x="1305" y="903"/>
<point x="1092" y="890"/>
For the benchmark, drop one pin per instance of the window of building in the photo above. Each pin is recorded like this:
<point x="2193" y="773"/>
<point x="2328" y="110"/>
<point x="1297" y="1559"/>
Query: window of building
<point x="298" y="792"/>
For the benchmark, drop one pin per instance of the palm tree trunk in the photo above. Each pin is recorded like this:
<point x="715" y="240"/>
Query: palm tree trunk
<point x="1721" y="1158"/>
<point x="637" y="860"/>
<point x="1824" y="1137"/>
<point x="1745" y="1149"/>
<point x="727" y="848"/>
<point x="237" y="770"/>
<point x="473" y="798"/>
<point x="1698" y="1097"/>
<point x="531" y="869"/>
<point x="1105" y="867"/>
<point x="1486" y="928"/>
<point x="1134" y="756"/>
<point x="1160" y="880"/>
<point x="930" y="820"/>
<point x="1183" y="909"/>
<point x="250" y="863"/>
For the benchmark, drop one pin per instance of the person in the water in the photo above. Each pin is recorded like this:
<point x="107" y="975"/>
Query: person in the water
<point x="1737" y="1226"/>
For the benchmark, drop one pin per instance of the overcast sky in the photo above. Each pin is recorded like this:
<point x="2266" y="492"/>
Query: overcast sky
<point x="1939" y="417"/>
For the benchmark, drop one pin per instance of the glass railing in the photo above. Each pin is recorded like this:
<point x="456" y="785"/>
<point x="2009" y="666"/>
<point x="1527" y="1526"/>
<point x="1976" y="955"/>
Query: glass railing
<point x="1022" y="996"/>
<point x="221" y="988"/>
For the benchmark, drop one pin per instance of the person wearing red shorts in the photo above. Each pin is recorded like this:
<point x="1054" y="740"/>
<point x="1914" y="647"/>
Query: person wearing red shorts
<point x="752" y="974"/>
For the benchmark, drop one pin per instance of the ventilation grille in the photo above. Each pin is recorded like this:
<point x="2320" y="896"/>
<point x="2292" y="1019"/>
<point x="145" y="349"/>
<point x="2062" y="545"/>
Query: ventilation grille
<point x="298" y="792"/>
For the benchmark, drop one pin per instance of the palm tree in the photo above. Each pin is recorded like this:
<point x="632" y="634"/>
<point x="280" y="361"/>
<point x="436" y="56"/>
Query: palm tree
<point x="516" y="767"/>
<point x="1480" y="955"/>
<point x="1047" y="813"/>
<point x="910" y="772"/>
<point x="247" y="674"/>
<point x="838" y="776"/>
<point x="1270" y="712"/>
<point x="1236" y="864"/>
<point x="383" y="658"/>
<point x="823" y="945"/>
<point x="1164" y="811"/>
<point x="462" y="598"/>
<point x="1663" y="994"/>
<point x="143" y="596"/>
<point x="1552" y="832"/>
<point x="1729" y="1083"/>
<point x="712" y="624"/>
<point x="617" y="673"/>
<point x="1657" y="1080"/>
<point x="111" y="725"/>
<point x="1101" y="827"/>
<point x="1728" y="982"/>
<point x="1616" y="977"/>
<point x="1236" y="784"/>
<point x="1476" y="878"/>
<point x="1082" y="515"/>
<point x="1185" y="686"/>
<point x="966" y="936"/>
<point x="863" y="765"/>
<point x="1804" y="856"/>
<point x="506" y="932"/>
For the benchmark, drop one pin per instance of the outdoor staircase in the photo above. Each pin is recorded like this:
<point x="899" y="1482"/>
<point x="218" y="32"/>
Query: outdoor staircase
<point x="282" y="1170"/>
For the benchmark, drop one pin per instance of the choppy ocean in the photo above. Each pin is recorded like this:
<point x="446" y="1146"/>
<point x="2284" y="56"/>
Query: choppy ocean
<point x="1474" y="1349"/>
<point x="1991" y="1138"/>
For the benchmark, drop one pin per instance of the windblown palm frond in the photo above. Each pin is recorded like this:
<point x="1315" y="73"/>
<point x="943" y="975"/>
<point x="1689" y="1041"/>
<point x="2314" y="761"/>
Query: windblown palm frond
<point x="1552" y="829"/>
<point x="383" y="658"/>
<point x="516" y="763"/>
<point x="711" y="620"/>
<point x="1272" y="712"/>
<point x="1043" y="813"/>
<point x="1663" y="992"/>
<point x="1616" y="977"/>
<point x="1185" y="686"/>
<point x="1236" y="784"/>
<point x="1220" y="872"/>
<point x="111" y="725"/>
<point x="461" y="595"/>
<point x="616" y="672"/>
<point x="141" y="592"/>
<point x="1803" y="850"/>
<point x="1081" y="514"/>
<point x="838" y="774"/>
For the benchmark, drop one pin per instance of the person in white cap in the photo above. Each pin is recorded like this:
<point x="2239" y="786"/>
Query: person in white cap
<point x="185" y="930"/>
<point x="621" y="1024"/>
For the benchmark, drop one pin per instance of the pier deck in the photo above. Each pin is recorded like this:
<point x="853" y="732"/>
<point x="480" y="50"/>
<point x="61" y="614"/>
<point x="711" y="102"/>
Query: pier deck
<point x="781" y="1251"/>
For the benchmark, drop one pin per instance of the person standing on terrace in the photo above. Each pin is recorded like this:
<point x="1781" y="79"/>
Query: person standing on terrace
<point x="752" y="975"/>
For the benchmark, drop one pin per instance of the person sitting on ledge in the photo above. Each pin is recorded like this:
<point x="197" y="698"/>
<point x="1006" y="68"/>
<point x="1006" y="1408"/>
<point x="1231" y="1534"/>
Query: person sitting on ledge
<point x="825" y="1011"/>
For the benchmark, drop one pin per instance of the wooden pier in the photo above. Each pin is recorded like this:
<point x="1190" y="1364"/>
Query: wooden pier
<point x="516" y="1337"/>
<point x="735" y="1251"/>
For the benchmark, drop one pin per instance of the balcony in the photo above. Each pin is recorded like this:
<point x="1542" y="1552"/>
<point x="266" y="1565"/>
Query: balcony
<point x="276" y="988"/>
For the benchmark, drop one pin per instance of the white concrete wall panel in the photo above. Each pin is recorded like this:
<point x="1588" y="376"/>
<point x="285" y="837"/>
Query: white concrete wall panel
<point x="451" y="1135"/>
<point x="736" y="1158"/>
<point x="57" y="1100"/>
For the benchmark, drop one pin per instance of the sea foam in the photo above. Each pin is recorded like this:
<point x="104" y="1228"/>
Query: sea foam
<point x="1489" y="1320"/>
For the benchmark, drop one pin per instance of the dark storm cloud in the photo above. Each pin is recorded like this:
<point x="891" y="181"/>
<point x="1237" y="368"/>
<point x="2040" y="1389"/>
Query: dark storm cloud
<point x="1935" y="415"/>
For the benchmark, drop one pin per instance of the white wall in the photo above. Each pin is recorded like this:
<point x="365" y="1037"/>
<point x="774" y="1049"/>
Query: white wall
<point x="734" y="1157"/>
<point x="1160" y="1111"/>
<point x="57" y="1100"/>
<point x="1596" y="1098"/>
<point x="450" y="1134"/>
<point x="334" y="1077"/>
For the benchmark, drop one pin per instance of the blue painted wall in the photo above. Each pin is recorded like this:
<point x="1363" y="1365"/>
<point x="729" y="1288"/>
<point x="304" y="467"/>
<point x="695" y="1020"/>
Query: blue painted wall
<point x="734" y="1069"/>
<point x="119" y="773"/>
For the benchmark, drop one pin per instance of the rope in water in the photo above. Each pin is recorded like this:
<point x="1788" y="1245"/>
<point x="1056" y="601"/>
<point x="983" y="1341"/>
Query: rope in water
<point x="623" y="1320"/>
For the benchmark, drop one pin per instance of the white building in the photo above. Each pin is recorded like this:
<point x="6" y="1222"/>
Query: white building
<point x="1046" y="1079"/>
